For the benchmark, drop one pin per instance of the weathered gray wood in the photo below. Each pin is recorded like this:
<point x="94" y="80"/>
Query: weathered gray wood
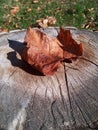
<point x="66" y="101"/>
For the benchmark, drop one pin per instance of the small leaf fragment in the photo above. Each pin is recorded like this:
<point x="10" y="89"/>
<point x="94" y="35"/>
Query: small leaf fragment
<point x="45" y="22"/>
<point x="14" y="10"/>
<point x="35" y="1"/>
<point x="28" y="10"/>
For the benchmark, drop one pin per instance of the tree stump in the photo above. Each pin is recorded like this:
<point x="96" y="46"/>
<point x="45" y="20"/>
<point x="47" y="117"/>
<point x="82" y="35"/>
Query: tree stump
<point x="66" y="101"/>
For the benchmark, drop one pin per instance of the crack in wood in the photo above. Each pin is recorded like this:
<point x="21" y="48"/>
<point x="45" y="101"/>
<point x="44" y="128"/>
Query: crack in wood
<point x="12" y="73"/>
<point x="83" y="88"/>
<point x="83" y="112"/>
<point x="65" y="101"/>
<point x="68" y="92"/>
<point x="89" y="61"/>
<point x="55" y="124"/>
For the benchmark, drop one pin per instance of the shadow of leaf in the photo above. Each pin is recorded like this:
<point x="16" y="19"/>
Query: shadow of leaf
<point x="18" y="47"/>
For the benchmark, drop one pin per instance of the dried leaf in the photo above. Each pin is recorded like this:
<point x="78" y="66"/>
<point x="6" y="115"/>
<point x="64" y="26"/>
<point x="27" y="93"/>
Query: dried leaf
<point x="89" y="25"/>
<point x="45" y="54"/>
<point x="45" y="22"/>
<point x="35" y="1"/>
<point x="38" y="8"/>
<point x="16" y="25"/>
<point x="28" y="10"/>
<point x="42" y="52"/>
<point x="68" y="43"/>
<point x="49" y="1"/>
<point x="51" y="20"/>
<point x="91" y="9"/>
<point x="5" y="7"/>
<point x="3" y="29"/>
<point x="14" y="10"/>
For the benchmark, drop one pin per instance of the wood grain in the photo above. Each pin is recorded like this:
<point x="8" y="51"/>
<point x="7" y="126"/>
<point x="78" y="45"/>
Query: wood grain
<point x="66" y="101"/>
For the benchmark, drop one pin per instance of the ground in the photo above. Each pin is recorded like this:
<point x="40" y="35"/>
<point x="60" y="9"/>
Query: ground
<point x="18" y="14"/>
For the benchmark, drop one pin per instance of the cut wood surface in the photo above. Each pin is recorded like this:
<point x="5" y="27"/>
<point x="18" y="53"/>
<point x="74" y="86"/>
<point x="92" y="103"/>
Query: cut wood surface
<point x="66" y="101"/>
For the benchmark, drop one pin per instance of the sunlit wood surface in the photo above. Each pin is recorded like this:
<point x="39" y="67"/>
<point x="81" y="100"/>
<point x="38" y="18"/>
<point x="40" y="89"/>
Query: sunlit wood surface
<point x="66" y="101"/>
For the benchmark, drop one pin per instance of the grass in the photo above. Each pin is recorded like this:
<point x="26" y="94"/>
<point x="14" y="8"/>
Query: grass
<point x="78" y="13"/>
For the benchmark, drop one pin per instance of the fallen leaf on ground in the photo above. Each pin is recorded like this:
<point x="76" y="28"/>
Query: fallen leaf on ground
<point x="5" y="6"/>
<point x="3" y="29"/>
<point x="38" y="8"/>
<point x="28" y="10"/>
<point x="46" y="54"/>
<point x="45" y="22"/>
<point x="91" y="9"/>
<point x="35" y="1"/>
<point x="16" y="25"/>
<point x="14" y="10"/>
